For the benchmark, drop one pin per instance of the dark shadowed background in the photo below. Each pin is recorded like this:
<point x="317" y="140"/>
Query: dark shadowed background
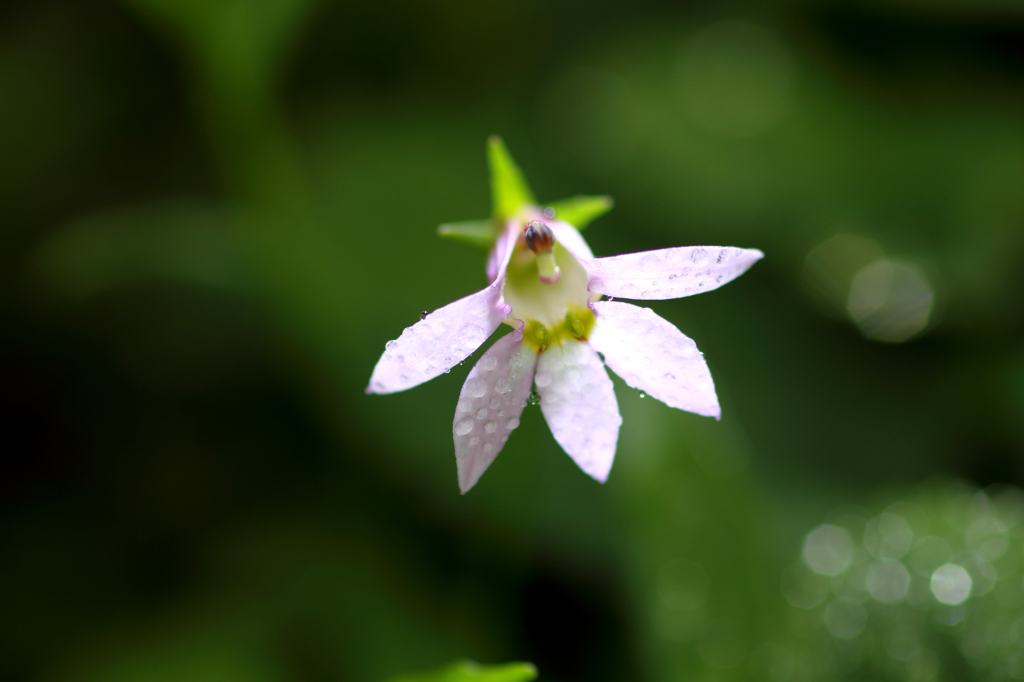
<point x="214" y="213"/>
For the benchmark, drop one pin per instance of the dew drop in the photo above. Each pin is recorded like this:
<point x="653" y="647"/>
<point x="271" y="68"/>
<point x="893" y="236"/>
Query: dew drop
<point x="481" y="413"/>
<point x="389" y="345"/>
<point x="533" y="398"/>
<point x="464" y="427"/>
<point x="542" y="379"/>
<point x="549" y="213"/>
<point x="477" y="388"/>
<point x="502" y="386"/>
<point x="494" y="403"/>
<point x="423" y="315"/>
<point x="474" y="441"/>
<point x="487" y="363"/>
<point x="642" y="394"/>
<point x="488" y="448"/>
<point x="489" y="427"/>
<point x="512" y="423"/>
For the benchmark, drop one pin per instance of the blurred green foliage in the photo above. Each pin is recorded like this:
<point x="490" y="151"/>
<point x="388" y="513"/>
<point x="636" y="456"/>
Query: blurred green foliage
<point x="466" y="671"/>
<point x="214" y="214"/>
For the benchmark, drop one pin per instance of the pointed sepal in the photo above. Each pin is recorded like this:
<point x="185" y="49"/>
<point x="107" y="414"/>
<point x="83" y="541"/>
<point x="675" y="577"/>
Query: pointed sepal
<point x="509" y="191"/>
<point x="581" y="210"/>
<point x="479" y="233"/>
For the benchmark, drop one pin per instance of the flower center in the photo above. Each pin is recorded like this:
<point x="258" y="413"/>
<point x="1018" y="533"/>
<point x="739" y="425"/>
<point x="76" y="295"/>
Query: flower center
<point x="541" y="240"/>
<point x="546" y="286"/>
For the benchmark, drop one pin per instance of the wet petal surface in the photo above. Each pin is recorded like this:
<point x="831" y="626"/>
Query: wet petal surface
<point x="650" y="354"/>
<point x="447" y="336"/>
<point x="490" y="405"/>
<point x="669" y="273"/>
<point x="579" y="405"/>
<point x="441" y="340"/>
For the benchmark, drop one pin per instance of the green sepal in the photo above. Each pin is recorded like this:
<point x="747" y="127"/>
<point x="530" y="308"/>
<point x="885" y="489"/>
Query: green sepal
<point x="580" y="210"/>
<point x="468" y="671"/>
<point x="481" y="233"/>
<point x="509" y="191"/>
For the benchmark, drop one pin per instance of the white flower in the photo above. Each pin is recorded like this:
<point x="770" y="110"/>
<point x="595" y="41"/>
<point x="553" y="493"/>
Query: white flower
<point x="547" y="285"/>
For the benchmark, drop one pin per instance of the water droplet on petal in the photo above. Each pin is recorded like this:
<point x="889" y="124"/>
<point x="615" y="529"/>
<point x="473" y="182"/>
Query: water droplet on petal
<point x="549" y="213"/>
<point x="512" y="423"/>
<point x="477" y="388"/>
<point x="494" y="403"/>
<point x="487" y="363"/>
<point x="389" y="345"/>
<point x="642" y="394"/>
<point x="464" y="427"/>
<point x="474" y="441"/>
<point x="481" y="413"/>
<point x="423" y="315"/>
<point x="533" y="398"/>
<point x="490" y="426"/>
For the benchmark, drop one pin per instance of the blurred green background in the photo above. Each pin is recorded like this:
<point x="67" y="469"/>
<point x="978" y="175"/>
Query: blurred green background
<point x="214" y="213"/>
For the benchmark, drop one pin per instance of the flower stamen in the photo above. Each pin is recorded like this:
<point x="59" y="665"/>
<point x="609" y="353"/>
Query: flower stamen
<point x="541" y="240"/>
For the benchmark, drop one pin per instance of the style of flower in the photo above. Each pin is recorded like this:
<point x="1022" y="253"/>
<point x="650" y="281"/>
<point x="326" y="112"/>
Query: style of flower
<point x="547" y="285"/>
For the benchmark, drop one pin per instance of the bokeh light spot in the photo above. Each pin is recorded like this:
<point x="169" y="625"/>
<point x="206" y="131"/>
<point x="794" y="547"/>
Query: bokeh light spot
<point x="951" y="584"/>
<point x="887" y="581"/>
<point x="888" y="536"/>
<point x="845" y="618"/>
<point x="890" y="301"/>
<point x="828" y="550"/>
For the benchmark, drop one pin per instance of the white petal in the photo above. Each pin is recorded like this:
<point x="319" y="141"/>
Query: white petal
<point x="445" y="337"/>
<point x="490" y="405"/>
<point x="569" y="237"/>
<point x="578" y="402"/>
<point x="652" y="355"/>
<point x="669" y="273"/>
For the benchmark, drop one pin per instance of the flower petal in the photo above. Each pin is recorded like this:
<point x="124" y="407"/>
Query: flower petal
<point x="441" y="340"/>
<point x="571" y="239"/>
<point x="578" y="402"/>
<point x="669" y="273"/>
<point x="446" y="336"/>
<point x="490" y="404"/>
<point x="649" y="353"/>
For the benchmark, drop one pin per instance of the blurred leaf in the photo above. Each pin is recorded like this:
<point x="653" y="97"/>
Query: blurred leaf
<point x="580" y="210"/>
<point x="186" y="241"/>
<point x="244" y="39"/>
<point x="468" y="671"/>
<point x="509" y="190"/>
<point x="480" y="233"/>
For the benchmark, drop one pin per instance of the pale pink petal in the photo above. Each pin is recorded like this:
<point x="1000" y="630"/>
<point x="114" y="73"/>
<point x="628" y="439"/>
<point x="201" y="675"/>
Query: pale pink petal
<point x="652" y="355"/>
<point x="490" y="404"/>
<point x="499" y="256"/>
<point x="445" y="337"/>
<point x="669" y="273"/>
<point x="579" y="404"/>
<point x="569" y="237"/>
